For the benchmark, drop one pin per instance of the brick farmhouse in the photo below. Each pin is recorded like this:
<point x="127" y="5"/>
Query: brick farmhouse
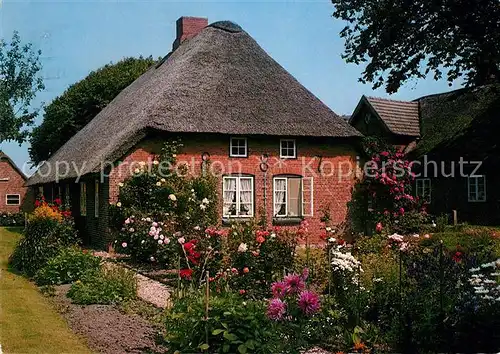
<point x="281" y="154"/>
<point x="13" y="193"/>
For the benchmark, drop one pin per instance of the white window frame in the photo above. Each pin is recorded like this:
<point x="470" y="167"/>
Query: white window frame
<point x="294" y="149"/>
<point x="302" y="201"/>
<point x="238" y="198"/>
<point x="476" y="189"/>
<point x="10" y="195"/>
<point x="96" y="198"/>
<point x="231" y="146"/>
<point x="422" y="182"/>
<point x="83" y="199"/>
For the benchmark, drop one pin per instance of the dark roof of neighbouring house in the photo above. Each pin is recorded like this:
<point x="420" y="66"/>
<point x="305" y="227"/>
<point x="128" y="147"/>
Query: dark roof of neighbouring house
<point x="5" y="157"/>
<point x="400" y="117"/>
<point x="220" y="81"/>
<point x="465" y="121"/>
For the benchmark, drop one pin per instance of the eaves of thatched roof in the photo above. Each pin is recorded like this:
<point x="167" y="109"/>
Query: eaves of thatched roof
<point x="220" y="81"/>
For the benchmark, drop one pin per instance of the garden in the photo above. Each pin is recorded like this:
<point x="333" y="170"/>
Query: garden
<point x="415" y="284"/>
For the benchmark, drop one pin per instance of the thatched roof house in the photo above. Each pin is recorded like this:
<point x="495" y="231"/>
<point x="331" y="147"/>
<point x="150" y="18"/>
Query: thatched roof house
<point x="218" y="81"/>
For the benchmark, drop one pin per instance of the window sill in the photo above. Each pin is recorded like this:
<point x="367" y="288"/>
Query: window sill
<point x="288" y="220"/>
<point x="229" y="221"/>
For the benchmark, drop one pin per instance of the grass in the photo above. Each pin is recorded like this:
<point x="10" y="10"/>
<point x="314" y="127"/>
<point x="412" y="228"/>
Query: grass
<point x="28" y="323"/>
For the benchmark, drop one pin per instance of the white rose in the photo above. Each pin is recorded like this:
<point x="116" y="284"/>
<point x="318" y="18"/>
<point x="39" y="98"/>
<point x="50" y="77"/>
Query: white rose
<point x="160" y="242"/>
<point x="242" y="247"/>
<point x="205" y="201"/>
<point x="120" y="184"/>
<point x="172" y="197"/>
<point x="137" y="170"/>
<point x="155" y="162"/>
<point x="158" y="184"/>
<point x="163" y="180"/>
<point x="119" y="204"/>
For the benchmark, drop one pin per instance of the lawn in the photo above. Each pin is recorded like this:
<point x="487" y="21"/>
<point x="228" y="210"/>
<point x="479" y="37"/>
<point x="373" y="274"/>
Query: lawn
<point x="28" y="323"/>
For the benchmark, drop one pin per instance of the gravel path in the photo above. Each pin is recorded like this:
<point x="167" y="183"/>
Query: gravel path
<point x="106" y="329"/>
<point x="152" y="291"/>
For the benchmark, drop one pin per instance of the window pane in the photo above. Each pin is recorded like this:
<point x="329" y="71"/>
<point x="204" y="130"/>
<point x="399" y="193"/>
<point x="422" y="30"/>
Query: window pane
<point x="294" y="197"/>
<point x="13" y="199"/>
<point x="280" y="196"/>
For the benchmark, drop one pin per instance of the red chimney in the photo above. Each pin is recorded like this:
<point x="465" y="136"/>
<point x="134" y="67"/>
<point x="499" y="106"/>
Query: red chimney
<point x="187" y="28"/>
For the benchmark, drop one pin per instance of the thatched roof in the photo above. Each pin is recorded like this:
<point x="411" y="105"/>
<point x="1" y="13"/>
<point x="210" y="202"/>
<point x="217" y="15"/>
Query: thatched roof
<point x="5" y="157"/>
<point x="464" y="121"/>
<point x="220" y="81"/>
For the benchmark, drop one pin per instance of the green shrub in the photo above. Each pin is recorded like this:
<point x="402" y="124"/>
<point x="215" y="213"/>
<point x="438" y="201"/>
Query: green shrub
<point x="233" y="326"/>
<point x="43" y="239"/>
<point x="109" y="286"/>
<point x="69" y="265"/>
<point x="319" y="269"/>
<point x="11" y="219"/>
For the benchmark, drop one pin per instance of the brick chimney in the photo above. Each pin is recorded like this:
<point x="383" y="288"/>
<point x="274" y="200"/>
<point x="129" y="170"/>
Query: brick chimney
<point x="187" y="28"/>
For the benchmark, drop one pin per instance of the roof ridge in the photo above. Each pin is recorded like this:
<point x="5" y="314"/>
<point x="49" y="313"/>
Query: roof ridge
<point x="388" y="99"/>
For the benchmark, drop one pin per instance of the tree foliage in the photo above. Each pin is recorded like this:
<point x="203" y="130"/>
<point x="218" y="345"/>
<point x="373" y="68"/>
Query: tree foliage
<point x="403" y="39"/>
<point x="19" y="83"/>
<point x="81" y="102"/>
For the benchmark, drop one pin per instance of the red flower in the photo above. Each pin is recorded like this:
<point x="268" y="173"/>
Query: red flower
<point x="379" y="227"/>
<point x="246" y="270"/>
<point x="242" y="292"/>
<point x="186" y="273"/>
<point x="37" y="203"/>
<point x="457" y="257"/>
<point x="260" y="239"/>
<point x="57" y="201"/>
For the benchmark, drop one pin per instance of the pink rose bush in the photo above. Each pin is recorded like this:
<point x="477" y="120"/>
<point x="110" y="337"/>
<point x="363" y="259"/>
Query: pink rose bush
<point x="388" y="182"/>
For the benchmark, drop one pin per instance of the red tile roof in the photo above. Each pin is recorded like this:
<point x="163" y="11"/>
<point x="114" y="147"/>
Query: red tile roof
<point x="401" y="117"/>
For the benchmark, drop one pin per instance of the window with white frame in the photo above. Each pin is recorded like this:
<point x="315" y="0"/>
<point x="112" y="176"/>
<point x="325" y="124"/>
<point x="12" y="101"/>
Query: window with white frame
<point x="96" y="199"/>
<point x="288" y="149"/>
<point x="13" y="199"/>
<point x="238" y="196"/>
<point x="238" y="147"/>
<point x="83" y="199"/>
<point x="293" y="196"/>
<point x="476" y="188"/>
<point x="423" y="189"/>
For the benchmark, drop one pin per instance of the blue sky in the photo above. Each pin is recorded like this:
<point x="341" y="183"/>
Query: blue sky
<point x="77" y="37"/>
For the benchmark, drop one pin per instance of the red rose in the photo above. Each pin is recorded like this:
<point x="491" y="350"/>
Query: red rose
<point x="186" y="273"/>
<point x="246" y="270"/>
<point x="242" y="292"/>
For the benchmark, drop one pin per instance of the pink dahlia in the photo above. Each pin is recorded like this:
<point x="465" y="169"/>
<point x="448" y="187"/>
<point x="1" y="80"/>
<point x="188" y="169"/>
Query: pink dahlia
<point x="279" y="289"/>
<point x="295" y="283"/>
<point x="276" y="309"/>
<point x="309" y="302"/>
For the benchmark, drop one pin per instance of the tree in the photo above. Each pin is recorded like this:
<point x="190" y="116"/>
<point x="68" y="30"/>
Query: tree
<point x="81" y="102"/>
<point x="19" y="83"/>
<point x="404" y="39"/>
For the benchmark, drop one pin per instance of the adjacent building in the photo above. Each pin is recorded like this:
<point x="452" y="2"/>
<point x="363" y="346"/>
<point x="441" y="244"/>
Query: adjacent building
<point x="452" y="136"/>
<point x="14" y="196"/>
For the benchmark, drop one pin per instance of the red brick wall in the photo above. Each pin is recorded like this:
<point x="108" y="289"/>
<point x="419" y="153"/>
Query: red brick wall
<point x="330" y="190"/>
<point x="14" y="185"/>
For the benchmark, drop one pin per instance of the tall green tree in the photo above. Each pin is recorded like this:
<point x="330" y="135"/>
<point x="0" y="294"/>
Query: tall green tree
<point x="404" y="39"/>
<point x="19" y="82"/>
<point x="81" y="102"/>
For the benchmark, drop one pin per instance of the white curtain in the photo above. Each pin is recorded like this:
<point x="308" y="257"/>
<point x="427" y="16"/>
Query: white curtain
<point x="279" y="196"/>
<point x="245" y="195"/>
<point x="229" y="195"/>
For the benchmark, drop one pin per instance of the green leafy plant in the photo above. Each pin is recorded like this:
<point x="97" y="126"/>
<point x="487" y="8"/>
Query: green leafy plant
<point x="11" y="219"/>
<point x="43" y="239"/>
<point x="109" y="286"/>
<point x="69" y="265"/>
<point x="233" y="326"/>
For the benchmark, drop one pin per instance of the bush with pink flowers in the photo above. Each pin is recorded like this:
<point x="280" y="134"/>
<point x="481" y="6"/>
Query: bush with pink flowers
<point x="383" y="200"/>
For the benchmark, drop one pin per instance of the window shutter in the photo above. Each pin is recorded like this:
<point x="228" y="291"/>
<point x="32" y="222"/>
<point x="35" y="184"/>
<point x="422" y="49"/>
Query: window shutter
<point x="307" y="196"/>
